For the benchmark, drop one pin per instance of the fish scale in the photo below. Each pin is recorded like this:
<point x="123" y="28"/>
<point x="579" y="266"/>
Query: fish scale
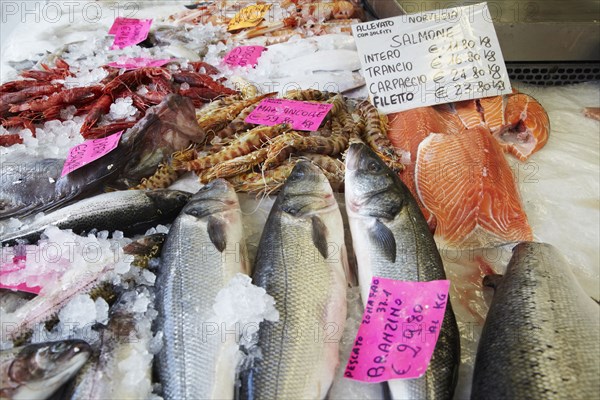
<point x="196" y="361"/>
<point x="422" y="256"/>
<point x="129" y="211"/>
<point x="300" y="350"/>
<point x="288" y="288"/>
<point x="391" y="240"/>
<point x="543" y="324"/>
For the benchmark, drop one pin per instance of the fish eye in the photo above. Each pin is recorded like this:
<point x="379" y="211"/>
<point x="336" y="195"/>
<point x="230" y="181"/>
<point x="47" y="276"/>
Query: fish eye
<point x="373" y="167"/>
<point x="297" y="175"/>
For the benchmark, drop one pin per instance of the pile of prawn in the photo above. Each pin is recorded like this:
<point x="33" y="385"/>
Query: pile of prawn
<point x="259" y="158"/>
<point x="41" y="95"/>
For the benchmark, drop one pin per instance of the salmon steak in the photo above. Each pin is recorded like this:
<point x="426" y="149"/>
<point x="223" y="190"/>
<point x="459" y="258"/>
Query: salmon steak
<point x="526" y="126"/>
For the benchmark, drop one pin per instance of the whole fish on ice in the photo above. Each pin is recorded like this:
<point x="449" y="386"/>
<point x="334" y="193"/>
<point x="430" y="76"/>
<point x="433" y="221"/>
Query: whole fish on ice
<point x="36" y="371"/>
<point x="203" y="251"/>
<point x="131" y="211"/>
<point x="541" y="338"/>
<point x="34" y="186"/>
<point x="92" y="276"/>
<point x="104" y="376"/>
<point x="391" y="240"/>
<point x="301" y="263"/>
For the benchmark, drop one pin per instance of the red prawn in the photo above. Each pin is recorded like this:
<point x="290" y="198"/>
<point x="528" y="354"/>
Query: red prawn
<point x="132" y="78"/>
<point x="202" y="80"/>
<point x="10" y="139"/>
<point x="105" y="130"/>
<point x="66" y="97"/>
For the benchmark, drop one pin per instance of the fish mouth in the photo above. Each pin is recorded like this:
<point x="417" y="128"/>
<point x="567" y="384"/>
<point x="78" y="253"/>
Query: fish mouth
<point x="305" y="170"/>
<point x="353" y="155"/>
<point x="308" y="204"/>
<point x="218" y="191"/>
<point x="59" y="360"/>
<point x="354" y="204"/>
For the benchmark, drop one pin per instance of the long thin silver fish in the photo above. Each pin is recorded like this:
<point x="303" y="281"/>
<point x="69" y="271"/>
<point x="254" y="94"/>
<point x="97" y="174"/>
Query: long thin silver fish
<point x="541" y="338"/>
<point x="131" y="211"/>
<point x="391" y="240"/>
<point x="203" y="251"/>
<point x="301" y="262"/>
<point x="37" y="370"/>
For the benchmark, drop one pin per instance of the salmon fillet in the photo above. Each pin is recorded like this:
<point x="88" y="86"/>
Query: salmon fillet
<point x="468" y="113"/>
<point x="493" y="112"/>
<point x="407" y="129"/>
<point x="466" y="182"/>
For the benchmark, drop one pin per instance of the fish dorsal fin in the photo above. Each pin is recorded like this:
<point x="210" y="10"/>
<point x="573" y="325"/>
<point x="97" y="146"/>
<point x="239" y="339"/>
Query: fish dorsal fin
<point x="319" y="235"/>
<point x="216" y="233"/>
<point x="383" y="236"/>
<point x="492" y="280"/>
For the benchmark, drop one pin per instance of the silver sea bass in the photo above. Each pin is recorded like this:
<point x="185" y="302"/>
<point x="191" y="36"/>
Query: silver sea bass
<point x="203" y="251"/>
<point x="541" y="338"/>
<point x="301" y="262"/>
<point x="391" y="240"/>
<point x="130" y="211"/>
<point x="36" y="371"/>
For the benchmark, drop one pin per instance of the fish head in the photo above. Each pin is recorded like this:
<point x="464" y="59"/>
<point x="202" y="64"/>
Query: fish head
<point x="40" y="369"/>
<point x="169" y="201"/>
<point x="178" y="124"/>
<point x="306" y="191"/>
<point x="166" y="128"/>
<point x="372" y="189"/>
<point x="145" y="248"/>
<point x="214" y="197"/>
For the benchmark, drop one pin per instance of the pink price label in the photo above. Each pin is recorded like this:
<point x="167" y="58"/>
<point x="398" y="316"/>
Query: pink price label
<point x="301" y="115"/>
<point x="400" y="328"/>
<point x="7" y="269"/>
<point x="129" y="31"/>
<point x="89" y="151"/>
<point x="244" y="55"/>
<point x="22" y="287"/>
<point x="138" y="62"/>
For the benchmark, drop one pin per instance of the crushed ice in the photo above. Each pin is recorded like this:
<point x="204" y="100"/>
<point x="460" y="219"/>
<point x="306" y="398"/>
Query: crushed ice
<point x="241" y="307"/>
<point x="123" y="109"/>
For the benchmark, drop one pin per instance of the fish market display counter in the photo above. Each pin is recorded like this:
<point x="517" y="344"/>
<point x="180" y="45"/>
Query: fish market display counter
<point x="170" y="114"/>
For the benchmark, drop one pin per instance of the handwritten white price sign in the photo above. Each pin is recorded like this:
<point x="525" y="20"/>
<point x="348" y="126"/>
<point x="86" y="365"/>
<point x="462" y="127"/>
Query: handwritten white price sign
<point x="433" y="57"/>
